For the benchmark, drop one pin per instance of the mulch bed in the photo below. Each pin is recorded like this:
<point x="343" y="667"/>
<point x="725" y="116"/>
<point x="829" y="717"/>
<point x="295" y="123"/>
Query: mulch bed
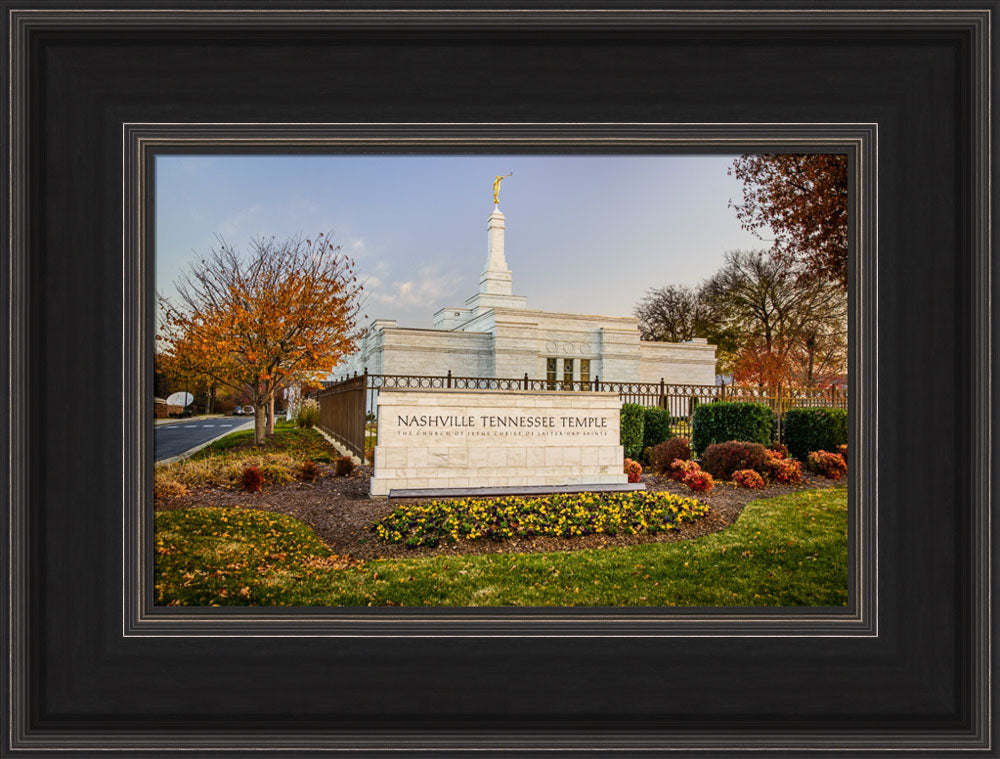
<point x="340" y="510"/>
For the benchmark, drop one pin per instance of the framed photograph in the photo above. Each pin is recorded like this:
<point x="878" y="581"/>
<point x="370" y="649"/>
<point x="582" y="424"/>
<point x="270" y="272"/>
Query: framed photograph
<point x="518" y="448"/>
<point x="692" y="453"/>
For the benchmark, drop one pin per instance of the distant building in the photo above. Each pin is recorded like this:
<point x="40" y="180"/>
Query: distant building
<point x="495" y="334"/>
<point x="837" y="381"/>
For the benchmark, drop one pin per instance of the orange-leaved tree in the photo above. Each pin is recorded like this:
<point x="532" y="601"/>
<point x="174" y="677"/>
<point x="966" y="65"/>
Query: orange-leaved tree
<point x="757" y="364"/>
<point x="187" y="369"/>
<point x="282" y="312"/>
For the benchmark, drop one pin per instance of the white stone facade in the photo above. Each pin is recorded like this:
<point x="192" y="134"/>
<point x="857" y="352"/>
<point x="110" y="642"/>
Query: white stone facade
<point x="495" y="334"/>
<point x="481" y="438"/>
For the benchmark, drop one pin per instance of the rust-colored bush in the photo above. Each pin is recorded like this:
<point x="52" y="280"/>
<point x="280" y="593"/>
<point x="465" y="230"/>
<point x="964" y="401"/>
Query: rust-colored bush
<point x="309" y="471"/>
<point x="780" y="450"/>
<point x="344" y="466"/>
<point x="634" y="470"/>
<point x="664" y="454"/>
<point x="699" y="481"/>
<point x="748" y="478"/>
<point x="722" y="459"/>
<point x="252" y="480"/>
<point x="679" y="469"/>
<point x="785" y="471"/>
<point x="829" y="465"/>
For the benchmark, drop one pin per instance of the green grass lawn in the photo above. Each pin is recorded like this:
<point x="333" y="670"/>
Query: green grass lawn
<point x="222" y="463"/>
<point x="300" y="442"/>
<point x="786" y="551"/>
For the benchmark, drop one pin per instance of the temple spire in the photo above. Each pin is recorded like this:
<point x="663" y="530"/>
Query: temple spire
<point x="496" y="277"/>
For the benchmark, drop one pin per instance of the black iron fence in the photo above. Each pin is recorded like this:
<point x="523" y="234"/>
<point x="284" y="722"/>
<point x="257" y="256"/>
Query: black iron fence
<point x="347" y="407"/>
<point x="342" y="412"/>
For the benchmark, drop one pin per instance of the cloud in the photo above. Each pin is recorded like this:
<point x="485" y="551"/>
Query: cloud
<point x="429" y="288"/>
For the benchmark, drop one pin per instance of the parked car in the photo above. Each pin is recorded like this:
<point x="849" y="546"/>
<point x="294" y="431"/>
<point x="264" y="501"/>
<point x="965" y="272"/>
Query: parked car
<point x="248" y="410"/>
<point x="238" y="411"/>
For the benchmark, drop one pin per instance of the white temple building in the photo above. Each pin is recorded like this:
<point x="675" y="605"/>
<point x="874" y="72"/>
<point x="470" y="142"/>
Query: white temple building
<point x="495" y="334"/>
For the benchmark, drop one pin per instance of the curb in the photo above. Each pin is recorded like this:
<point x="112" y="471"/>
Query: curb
<point x="191" y="451"/>
<point x="339" y="446"/>
<point x="168" y="422"/>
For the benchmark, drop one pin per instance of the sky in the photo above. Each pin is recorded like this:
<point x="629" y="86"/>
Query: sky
<point x="585" y="234"/>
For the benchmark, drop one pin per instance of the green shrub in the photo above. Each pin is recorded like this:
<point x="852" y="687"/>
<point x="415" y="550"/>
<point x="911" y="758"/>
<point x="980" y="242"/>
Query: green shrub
<point x="631" y="429"/>
<point x="719" y="422"/>
<point x="655" y="426"/>
<point x="722" y="459"/>
<point x="814" y="429"/>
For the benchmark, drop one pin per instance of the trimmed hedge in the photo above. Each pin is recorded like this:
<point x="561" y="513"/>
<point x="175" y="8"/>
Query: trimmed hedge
<point x="631" y="429"/>
<point x="814" y="429"/>
<point x="655" y="426"/>
<point x="723" y="421"/>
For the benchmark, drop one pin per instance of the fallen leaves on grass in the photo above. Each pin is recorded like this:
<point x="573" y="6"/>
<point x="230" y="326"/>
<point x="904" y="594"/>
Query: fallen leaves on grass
<point x="333" y="561"/>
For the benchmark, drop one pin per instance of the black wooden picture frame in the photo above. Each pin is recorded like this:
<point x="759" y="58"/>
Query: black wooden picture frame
<point x="144" y="142"/>
<point x="95" y="92"/>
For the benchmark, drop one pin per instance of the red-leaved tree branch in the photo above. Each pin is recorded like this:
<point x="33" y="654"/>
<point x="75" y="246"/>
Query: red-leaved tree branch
<point x="802" y="201"/>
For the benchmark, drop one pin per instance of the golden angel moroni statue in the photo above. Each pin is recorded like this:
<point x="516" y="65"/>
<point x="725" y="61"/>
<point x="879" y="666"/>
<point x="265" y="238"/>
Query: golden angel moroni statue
<point x="496" y="187"/>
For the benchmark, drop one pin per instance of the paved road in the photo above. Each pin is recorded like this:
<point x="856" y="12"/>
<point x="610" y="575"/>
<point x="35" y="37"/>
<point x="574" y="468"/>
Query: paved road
<point x="174" y="439"/>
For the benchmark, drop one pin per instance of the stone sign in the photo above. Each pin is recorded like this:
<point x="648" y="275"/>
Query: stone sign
<point x="464" y="439"/>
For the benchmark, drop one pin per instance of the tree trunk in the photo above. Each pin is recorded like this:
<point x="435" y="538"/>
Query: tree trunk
<point x="811" y="361"/>
<point x="270" y="415"/>
<point x="260" y="423"/>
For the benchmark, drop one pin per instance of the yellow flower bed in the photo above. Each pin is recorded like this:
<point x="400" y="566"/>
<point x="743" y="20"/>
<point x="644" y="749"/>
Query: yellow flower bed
<point x="560" y="515"/>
